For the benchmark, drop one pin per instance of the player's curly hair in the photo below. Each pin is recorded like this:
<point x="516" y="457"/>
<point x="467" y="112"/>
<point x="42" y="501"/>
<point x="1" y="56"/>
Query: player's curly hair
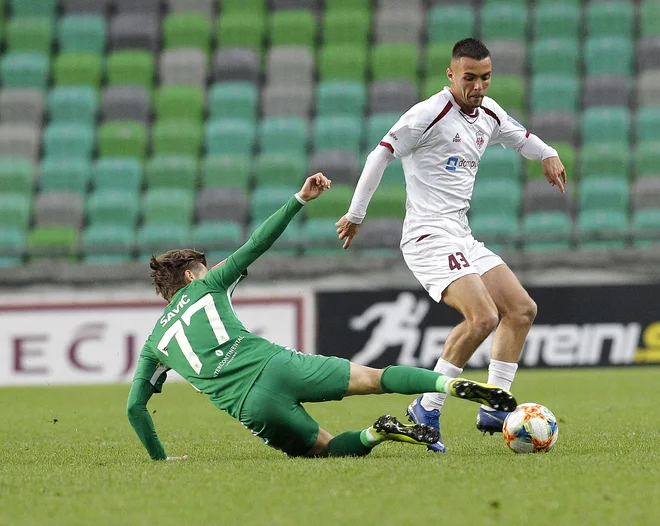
<point x="167" y="270"/>
<point x="470" y="48"/>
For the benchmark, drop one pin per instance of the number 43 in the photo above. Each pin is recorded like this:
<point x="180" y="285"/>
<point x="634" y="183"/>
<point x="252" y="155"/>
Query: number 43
<point x="454" y="264"/>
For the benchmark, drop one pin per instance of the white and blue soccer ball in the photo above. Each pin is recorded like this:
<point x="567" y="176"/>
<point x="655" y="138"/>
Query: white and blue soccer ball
<point x="530" y="428"/>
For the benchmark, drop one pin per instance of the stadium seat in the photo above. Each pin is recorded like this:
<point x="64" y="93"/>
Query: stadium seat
<point x="602" y="229"/>
<point x="608" y="56"/>
<point x="131" y="68"/>
<point x="229" y="171"/>
<point x="177" y="137"/>
<point x="292" y="28"/>
<point x="122" y="139"/>
<point x="78" y="69"/>
<point x="376" y="127"/>
<point x="433" y="85"/>
<point x="394" y="62"/>
<point x="59" y="208"/>
<point x="126" y="103"/>
<point x="290" y="65"/>
<point x="647" y="159"/>
<point x="540" y="196"/>
<point x="554" y="93"/>
<point x="567" y="155"/>
<point x="266" y="200"/>
<point x="335" y="205"/>
<point x="560" y="56"/>
<point x="94" y="7"/>
<point x="113" y="206"/>
<point x="29" y="8"/>
<point x="82" y="33"/>
<point x="648" y="54"/>
<point x="24" y="70"/>
<point x="243" y="6"/>
<point x="648" y="88"/>
<point x="337" y="133"/>
<point x="343" y="62"/>
<point x="610" y="18"/>
<point x="380" y="237"/>
<point x="156" y="237"/>
<point x="217" y="239"/>
<point x="69" y="140"/>
<point x="65" y="175"/>
<point x="236" y="64"/>
<point x="15" y="210"/>
<point x="497" y="231"/>
<point x="108" y="244"/>
<point x="438" y="57"/>
<point x="179" y="103"/>
<point x="282" y="100"/>
<point x="122" y="173"/>
<point x="340" y="98"/>
<point x="29" y="34"/>
<point x="318" y="237"/>
<point x="502" y="21"/>
<point x="337" y="5"/>
<point x="19" y="139"/>
<point x="392" y="95"/>
<point x="555" y="126"/>
<point x="135" y="31"/>
<point x="168" y="206"/>
<point x="346" y="27"/>
<point x="649" y="19"/>
<point x="547" y="231"/>
<point x="604" y="193"/>
<point x="509" y="92"/>
<point x="230" y="137"/>
<point x="501" y="163"/>
<point x="205" y="7"/>
<point x="607" y="90"/>
<point x="281" y="168"/>
<point x="283" y="135"/>
<point x="16" y="175"/>
<point x="399" y="23"/>
<point x="222" y="204"/>
<point x="605" y="125"/>
<point x="388" y="201"/>
<point x="54" y="241"/>
<point x="172" y="171"/>
<point x="77" y="104"/>
<point x="645" y="193"/>
<point x="233" y="100"/>
<point x="611" y="160"/>
<point x="340" y="166"/>
<point x="493" y="196"/>
<point x="295" y="4"/>
<point x="645" y="227"/>
<point x="138" y="6"/>
<point x="21" y="105"/>
<point x="450" y="23"/>
<point x="393" y="175"/>
<point x="185" y="67"/>
<point x="187" y="30"/>
<point x="510" y="57"/>
<point x="242" y="30"/>
<point x="557" y="20"/>
<point x="12" y="240"/>
<point x="647" y="124"/>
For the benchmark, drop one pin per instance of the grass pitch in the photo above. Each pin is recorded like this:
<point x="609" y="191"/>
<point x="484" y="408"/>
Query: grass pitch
<point x="68" y="456"/>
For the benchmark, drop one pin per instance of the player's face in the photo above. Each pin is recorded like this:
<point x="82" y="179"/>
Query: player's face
<point x="470" y="80"/>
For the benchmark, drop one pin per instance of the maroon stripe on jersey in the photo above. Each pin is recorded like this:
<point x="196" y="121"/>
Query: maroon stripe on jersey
<point x="420" y="238"/>
<point x="527" y="135"/>
<point x="388" y="146"/>
<point x="444" y="112"/>
<point x="492" y="114"/>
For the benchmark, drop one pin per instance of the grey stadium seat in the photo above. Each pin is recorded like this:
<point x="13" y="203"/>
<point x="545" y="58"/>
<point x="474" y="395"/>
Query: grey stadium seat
<point x="341" y="166"/>
<point x="539" y="196"/>
<point x="646" y="193"/>
<point x="183" y="67"/>
<point x="59" y="208"/>
<point x="221" y="204"/>
<point x="138" y="6"/>
<point x="404" y="24"/>
<point x="290" y="65"/>
<point x="398" y="5"/>
<point x="648" y="53"/>
<point x="96" y="7"/>
<point x="21" y="105"/>
<point x="196" y="6"/>
<point x="287" y="101"/>
<point x="126" y="103"/>
<point x="509" y="57"/>
<point x="295" y="4"/>
<point x="380" y="233"/>
<point x="392" y="96"/>
<point x="135" y="31"/>
<point x="20" y="140"/>
<point x="555" y="126"/>
<point x="648" y="88"/>
<point x="471" y="3"/>
<point x="606" y="90"/>
<point x="236" y="64"/>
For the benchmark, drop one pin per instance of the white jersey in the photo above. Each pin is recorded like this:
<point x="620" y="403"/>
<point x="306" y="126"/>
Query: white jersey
<point x="440" y="148"/>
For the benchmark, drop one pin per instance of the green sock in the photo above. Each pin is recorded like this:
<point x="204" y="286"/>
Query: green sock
<point x="349" y="444"/>
<point x="412" y="380"/>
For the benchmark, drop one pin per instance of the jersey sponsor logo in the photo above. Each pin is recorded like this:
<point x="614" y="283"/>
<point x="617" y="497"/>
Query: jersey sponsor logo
<point x="182" y="302"/>
<point x="457" y="138"/>
<point x="456" y="162"/>
<point x="480" y="139"/>
<point x="229" y="356"/>
<point x="515" y="122"/>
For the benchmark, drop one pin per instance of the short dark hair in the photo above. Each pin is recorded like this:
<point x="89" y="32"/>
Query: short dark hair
<point x="167" y="270"/>
<point x="471" y="48"/>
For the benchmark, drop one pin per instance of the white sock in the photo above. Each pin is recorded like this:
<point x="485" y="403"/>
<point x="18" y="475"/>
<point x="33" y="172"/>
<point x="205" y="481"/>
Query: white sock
<point x="501" y="374"/>
<point x="436" y="400"/>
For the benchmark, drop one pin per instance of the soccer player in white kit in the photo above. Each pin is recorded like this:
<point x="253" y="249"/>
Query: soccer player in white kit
<point x="440" y="142"/>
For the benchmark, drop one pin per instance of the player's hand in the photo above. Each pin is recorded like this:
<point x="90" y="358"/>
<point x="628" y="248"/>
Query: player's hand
<point x="346" y="230"/>
<point x="555" y="172"/>
<point x="172" y="459"/>
<point x="314" y="186"/>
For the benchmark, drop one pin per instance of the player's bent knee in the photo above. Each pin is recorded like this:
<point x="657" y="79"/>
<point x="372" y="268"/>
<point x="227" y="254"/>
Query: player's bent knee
<point x="524" y="313"/>
<point x="320" y="447"/>
<point x="484" y="324"/>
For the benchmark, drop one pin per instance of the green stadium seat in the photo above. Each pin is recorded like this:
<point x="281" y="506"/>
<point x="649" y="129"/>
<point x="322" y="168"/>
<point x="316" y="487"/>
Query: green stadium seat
<point x="376" y="128"/>
<point x="283" y="134"/>
<point x="492" y="196"/>
<point x="394" y="62"/>
<point x="342" y="5"/>
<point x="11" y="240"/>
<point x="645" y="226"/>
<point x="509" y="92"/>
<point x="346" y="27"/>
<point x="234" y="100"/>
<point x="168" y="206"/>
<point x="388" y="201"/>
<point x="433" y="85"/>
<point x="605" y="125"/>
<point x="559" y="56"/>
<point x="610" y="18"/>
<point x="554" y="93"/>
<point x="131" y="68"/>
<point x="230" y="171"/>
<point x="64" y="174"/>
<point x="292" y="28"/>
<point x="647" y="125"/>
<point x="123" y="173"/>
<point x="22" y="8"/>
<point x="83" y="33"/>
<point x="496" y="230"/>
<point x="336" y="204"/>
<point x="230" y="137"/>
<point x="557" y="20"/>
<point x="608" y="56"/>
<point x="15" y="210"/>
<point x="280" y="169"/>
<point x="243" y="6"/>
<point x="69" y="140"/>
<point x="113" y="206"/>
<point x="78" y="69"/>
<point x="24" y="70"/>
<point x="57" y="241"/>
<point x="647" y="159"/>
<point x="155" y="238"/>
<point x="611" y="160"/>
<point x="649" y="19"/>
<point x="187" y="30"/>
<point x="245" y="30"/>
<point x="600" y="229"/>
<point x="318" y="237"/>
<point x="75" y="104"/>
<point x="267" y="199"/>
<point x="217" y="239"/>
<point x="503" y="21"/>
<point x="177" y="137"/>
<point x="122" y="139"/>
<point x="108" y="244"/>
<point x="604" y="193"/>
<point x="30" y="34"/>
<point x="340" y="98"/>
<point x="438" y="57"/>
<point x="500" y="163"/>
<point x="343" y="62"/>
<point x="567" y="155"/>
<point x="172" y="171"/>
<point x="16" y="175"/>
<point x="450" y="23"/>
<point x="338" y="133"/>
<point x="547" y="231"/>
<point x="179" y="103"/>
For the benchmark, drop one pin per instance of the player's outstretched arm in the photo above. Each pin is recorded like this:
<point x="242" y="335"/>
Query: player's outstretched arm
<point x="140" y="419"/>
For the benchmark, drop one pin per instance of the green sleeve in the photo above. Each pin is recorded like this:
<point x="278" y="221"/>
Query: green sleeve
<point x="140" y="419"/>
<point x="261" y="240"/>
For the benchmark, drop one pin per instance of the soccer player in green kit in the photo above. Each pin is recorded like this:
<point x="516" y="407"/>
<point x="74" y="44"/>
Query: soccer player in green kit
<point x="259" y="383"/>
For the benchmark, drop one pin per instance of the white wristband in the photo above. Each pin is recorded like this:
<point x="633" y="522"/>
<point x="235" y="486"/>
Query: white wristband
<point x="300" y="199"/>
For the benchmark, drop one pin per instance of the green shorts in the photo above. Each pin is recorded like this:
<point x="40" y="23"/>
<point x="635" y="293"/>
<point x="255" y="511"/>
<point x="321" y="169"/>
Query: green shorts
<point x="272" y="409"/>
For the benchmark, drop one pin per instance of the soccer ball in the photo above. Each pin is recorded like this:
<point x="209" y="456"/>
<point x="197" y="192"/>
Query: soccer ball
<point x="530" y="428"/>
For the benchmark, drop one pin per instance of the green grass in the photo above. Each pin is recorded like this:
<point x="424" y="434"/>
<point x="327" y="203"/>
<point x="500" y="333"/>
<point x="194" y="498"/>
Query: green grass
<point x="89" y="468"/>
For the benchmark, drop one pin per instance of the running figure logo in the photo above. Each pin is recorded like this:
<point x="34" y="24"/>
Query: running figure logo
<point x="399" y="325"/>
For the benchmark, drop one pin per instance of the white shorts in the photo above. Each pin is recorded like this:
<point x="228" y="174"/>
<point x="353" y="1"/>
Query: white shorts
<point x="438" y="260"/>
